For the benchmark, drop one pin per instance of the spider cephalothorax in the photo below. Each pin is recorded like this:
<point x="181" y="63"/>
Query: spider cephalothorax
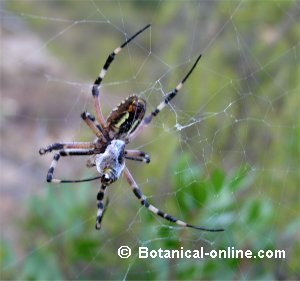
<point x="110" y="164"/>
<point x="108" y="152"/>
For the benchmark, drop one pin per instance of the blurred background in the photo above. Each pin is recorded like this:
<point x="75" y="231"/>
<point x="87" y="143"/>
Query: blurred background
<point x="224" y="153"/>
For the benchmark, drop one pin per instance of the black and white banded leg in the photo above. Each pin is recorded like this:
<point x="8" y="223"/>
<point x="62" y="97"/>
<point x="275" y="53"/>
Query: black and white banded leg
<point x="138" y="193"/>
<point x="89" y="119"/>
<point x="66" y="145"/>
<point x="160" y="107"/>
<point x="97" y="83"/>
<point x="64" y="153"/>
<point x="100" y="206"/>
<point x="137" y="155"/>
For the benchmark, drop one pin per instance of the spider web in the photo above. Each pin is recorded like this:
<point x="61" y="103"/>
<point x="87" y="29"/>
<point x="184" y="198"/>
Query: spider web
<point x="224" y="153"/>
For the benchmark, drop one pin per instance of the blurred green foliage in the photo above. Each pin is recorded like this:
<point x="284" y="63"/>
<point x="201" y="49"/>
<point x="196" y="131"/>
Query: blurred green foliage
<point x="214" y="201"/>
<point x="238" y="169"/>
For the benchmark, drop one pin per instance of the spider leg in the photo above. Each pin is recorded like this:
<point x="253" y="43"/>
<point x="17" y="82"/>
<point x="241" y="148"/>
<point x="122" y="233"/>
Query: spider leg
<point x="100" y="206"/>
<point x="63" y="153"/>
<point x="166" y="100"/>
<point x="97" y="83"/>
<point x="137" y="155"/>
<point x="138" y="193"/>
<point x="89" y="119"/>
<point x="66" y="145"/>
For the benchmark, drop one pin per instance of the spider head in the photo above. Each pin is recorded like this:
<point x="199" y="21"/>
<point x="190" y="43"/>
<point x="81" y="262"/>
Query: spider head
<point x="110" y="163"/>
<point x="108" y="177"/>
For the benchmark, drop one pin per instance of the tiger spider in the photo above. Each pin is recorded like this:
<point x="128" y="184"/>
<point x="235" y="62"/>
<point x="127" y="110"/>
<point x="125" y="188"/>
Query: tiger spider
<point x="108" y="151"/>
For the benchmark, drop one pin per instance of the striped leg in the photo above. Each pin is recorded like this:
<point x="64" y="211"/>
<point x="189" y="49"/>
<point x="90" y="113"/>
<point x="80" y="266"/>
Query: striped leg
<point x="167" y="99"/>
<point x="137" y="155"/>
<point x="66" y="145"/>
<point x="97" y="83"/>
<point x="63" y="153"/>
<point x="138" y="193"/>
<point x="101" y="207"/>
<point x="89" y="119"/>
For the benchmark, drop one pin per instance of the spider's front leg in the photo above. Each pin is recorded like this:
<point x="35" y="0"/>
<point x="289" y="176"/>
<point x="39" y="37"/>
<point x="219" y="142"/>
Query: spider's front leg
<point x="138" y="193"/>
<point x="100" y="206"/>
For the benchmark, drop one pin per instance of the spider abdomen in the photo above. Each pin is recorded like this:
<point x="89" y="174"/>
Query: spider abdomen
<point x="110" y="164"/>
<point x="126" y="117"/>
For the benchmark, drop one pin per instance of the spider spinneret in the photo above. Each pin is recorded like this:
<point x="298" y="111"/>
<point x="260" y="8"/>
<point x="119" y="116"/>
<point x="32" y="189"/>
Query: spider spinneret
<point x="108" y="151"/>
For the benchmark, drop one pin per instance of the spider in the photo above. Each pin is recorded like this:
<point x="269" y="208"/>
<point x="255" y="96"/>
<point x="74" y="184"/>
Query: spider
<point x="108" y="151"/>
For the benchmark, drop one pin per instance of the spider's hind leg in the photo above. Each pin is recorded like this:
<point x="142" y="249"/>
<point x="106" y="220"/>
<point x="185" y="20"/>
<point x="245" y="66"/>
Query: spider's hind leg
<point x="98" y="81"/>
<point x="96" y="128"/>
<point x="147" y="120"/>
